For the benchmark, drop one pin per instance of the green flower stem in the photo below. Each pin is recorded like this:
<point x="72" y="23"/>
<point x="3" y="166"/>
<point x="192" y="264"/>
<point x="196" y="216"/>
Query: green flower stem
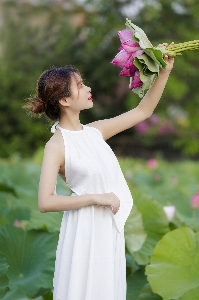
<point x="176" y="49"/>
<point x="194" y="214"/>
<point x="190" y="43"/>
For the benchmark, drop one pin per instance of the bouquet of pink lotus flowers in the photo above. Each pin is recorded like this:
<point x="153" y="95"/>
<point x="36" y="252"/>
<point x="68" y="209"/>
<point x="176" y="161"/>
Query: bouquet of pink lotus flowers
<point x="140" y="60"/>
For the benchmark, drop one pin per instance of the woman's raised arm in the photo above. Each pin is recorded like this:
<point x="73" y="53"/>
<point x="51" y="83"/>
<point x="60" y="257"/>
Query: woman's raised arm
<point x="110" y="127"/>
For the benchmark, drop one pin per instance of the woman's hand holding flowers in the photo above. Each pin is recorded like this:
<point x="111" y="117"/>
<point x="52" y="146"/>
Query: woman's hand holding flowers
<point x="143" y="62"/>
<point x="169" y="60"/>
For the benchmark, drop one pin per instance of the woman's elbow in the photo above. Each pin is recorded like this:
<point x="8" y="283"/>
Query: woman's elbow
<point x="42" y="207"/>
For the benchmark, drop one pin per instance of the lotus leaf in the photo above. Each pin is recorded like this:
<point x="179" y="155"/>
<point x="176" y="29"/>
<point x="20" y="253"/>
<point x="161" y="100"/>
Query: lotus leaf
<point x="174" y="265"/>
<point x="30" y="256"/>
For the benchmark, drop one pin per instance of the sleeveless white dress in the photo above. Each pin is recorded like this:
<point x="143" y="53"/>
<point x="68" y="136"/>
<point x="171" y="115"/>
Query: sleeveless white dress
<point x="90" y="257"/>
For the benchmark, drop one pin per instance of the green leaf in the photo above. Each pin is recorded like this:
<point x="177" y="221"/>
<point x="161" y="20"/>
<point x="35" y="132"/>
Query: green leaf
<point x="48" y="295"/>
<point x="139" y="34"/>
<point x="146" y="75"/>
<point x="147" y="81"/>
<point x="155" y="225"/>
<point x="30" y="256"/>
<point x="156" y="55"/>
<point x="18" y="213"/>
<point x="3" y="277"/>
<point x="149" y="62"/>
<point x="16" y="295"/>
<point x="191" y="294"/>
<point x="8" y="188"/>
<point x="49" y="221"/>
<point x="174" y="266"/>
<point x="3" y="221"/>
<point x="135" y="282"/>
<point x="135" y="235"/>
<point x="147" y="294"/>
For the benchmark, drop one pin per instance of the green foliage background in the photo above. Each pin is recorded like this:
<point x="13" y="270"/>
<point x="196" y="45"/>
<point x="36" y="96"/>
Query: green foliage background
<point x="37" y="36"/>
<point x="161" y="255"/>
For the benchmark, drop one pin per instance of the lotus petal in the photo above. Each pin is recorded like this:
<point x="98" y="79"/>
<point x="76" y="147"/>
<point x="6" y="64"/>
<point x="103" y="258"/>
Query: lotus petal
<point x="128" y="71"/>
<point x="135" y="81"/>
<point x="121" y="59"/>
<point x="195" y="201"/>
<point x="125" y="72"/>
<point x="125" y="35"/>
<point x="130" y="46"/>
<point x="169" y="211"/>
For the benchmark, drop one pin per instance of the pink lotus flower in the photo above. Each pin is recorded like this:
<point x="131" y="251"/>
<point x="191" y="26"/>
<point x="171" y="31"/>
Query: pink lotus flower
<point x="135" y="80"/>
<point x="125" y="35"/>
<point x="142" y="127"/>
<point x="124" y="59"/>
<point x="165" y="129"/>
<point x="195" y="201"/>
<point x="154" y="119"/>
<point x="169" y="211"/>
<point x="152" y="163"/>
<point x="16" y="223"/>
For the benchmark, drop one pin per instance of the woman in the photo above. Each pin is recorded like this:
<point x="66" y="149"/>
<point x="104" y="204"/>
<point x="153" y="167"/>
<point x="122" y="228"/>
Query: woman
<point x="90" y="258"/>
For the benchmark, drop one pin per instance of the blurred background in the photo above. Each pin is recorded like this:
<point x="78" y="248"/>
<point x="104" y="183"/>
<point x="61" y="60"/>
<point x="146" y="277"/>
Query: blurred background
<point x="38" y="34"/>
<point x="159" y="157"/>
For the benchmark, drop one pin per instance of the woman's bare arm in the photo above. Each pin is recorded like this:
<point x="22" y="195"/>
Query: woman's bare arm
<point x="110" y="127"/>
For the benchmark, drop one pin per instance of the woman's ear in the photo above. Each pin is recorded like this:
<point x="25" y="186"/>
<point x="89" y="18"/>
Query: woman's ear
<point x="64" y="102"/>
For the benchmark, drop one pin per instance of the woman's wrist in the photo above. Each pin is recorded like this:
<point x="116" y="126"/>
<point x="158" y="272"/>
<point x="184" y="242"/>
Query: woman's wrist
<point x="164" y="73"/>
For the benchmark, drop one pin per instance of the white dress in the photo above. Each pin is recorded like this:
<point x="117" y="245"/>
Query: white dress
<point x="90" y="257"/>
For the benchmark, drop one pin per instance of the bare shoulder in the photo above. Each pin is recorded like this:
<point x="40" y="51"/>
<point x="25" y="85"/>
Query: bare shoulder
<point x="55" y="146"/>
<point x="104" y="127"/>
<point x="97" y="124"/>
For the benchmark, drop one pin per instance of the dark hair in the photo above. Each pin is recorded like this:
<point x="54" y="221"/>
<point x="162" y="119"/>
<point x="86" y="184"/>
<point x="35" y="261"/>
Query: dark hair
<point x="52" y="86"/>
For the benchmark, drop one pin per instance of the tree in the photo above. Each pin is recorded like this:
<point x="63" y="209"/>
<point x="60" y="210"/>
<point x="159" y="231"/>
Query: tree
<point x="55" y="33"/>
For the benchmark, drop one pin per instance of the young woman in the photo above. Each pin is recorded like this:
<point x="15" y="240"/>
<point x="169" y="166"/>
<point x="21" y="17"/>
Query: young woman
<point x="90" y="258"/>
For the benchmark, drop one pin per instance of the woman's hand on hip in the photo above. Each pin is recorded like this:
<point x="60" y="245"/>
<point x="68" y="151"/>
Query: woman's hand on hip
<point x="108" y="200"/>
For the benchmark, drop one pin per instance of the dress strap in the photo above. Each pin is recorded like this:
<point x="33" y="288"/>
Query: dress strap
<point x="54" y="127"/>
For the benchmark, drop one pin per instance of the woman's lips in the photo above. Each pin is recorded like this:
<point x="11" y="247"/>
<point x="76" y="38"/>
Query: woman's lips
<point x="90" y="98"/>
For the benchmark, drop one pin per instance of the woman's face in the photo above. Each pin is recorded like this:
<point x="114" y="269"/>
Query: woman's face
<point x="80" y="94"/>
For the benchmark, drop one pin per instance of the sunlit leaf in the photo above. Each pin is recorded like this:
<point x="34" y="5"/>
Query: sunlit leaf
<point x="45" y="221"/>
<point x="191" y="294"/>
<point x="134" y="231"/>
<point x="174" y="265"/>
<point x="155" y="225"/>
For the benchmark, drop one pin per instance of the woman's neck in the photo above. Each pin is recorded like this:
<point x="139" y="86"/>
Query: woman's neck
<point x="70" y="123"/>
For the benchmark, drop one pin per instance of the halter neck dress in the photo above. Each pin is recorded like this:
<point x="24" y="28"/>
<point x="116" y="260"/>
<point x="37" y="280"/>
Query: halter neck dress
<point x="90" y="257"/>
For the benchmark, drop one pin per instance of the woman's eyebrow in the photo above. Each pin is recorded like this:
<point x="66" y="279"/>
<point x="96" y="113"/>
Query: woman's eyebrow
<point x="79" y="81"/>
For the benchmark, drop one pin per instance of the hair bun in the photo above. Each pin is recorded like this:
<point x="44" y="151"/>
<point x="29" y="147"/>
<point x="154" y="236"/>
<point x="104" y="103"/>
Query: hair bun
<point x="38" y="105"/>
